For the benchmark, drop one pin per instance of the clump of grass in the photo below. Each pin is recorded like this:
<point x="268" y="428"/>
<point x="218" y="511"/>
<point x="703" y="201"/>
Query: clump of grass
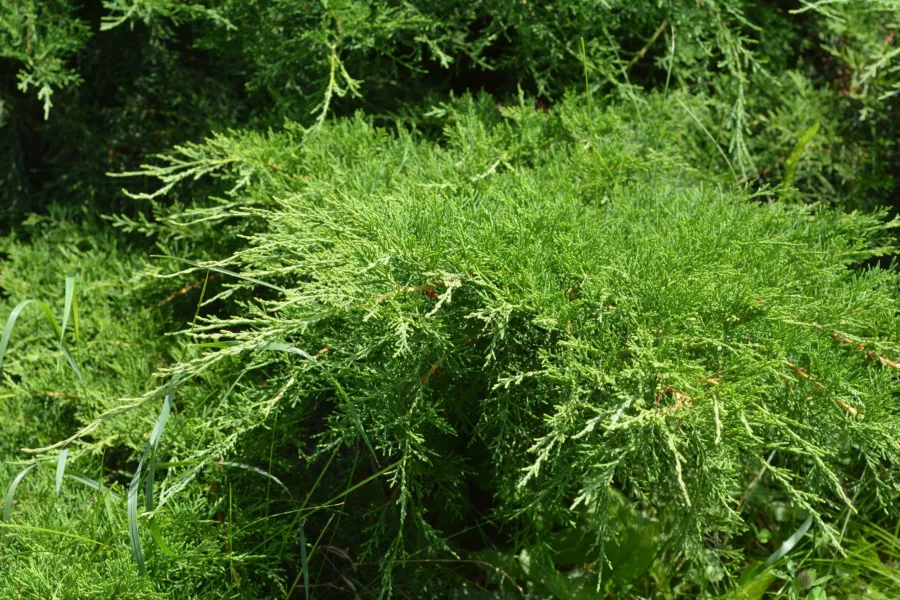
<point x="64" y="523"/>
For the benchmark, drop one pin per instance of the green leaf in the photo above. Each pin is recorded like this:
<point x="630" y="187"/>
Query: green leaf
<point x="132" y="499"/>
<point x="10" y="324"/>
<point x="91" y="483"/>
<point x="61" y="468"/>
<point x="789" y="543"/>
<point x="70" y="296"/>
<point x="156" y="534"/>
<point x="285" y="348"/>
<point x="258" y="471"/>
<point x="542" y="573"/>
<point x="8" y="329"/>
<point x="14" y="526"/>
<point x="753" y="583"/>
<point x="304" y="564"/>
<point x="223" y="272"/>
<point x="7" y="504"/>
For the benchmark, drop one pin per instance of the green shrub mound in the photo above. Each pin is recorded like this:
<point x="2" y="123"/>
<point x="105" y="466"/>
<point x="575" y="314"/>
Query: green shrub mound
<point x="534" y="322"/>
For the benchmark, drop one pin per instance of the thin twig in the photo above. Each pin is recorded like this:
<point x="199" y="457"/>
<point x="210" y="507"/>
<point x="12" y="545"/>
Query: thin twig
<point x="801" y="372"/>
<point x="643" y="50"/>
<point x="425" y="287"/>
<point x="181" y="292"/>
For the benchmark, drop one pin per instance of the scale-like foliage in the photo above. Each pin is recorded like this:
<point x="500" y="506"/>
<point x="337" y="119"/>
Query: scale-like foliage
<point x="166" y="71"/>
<point x="42" y="37"/>
<point x="565" y="344"/>
<point x="545" y="310"/>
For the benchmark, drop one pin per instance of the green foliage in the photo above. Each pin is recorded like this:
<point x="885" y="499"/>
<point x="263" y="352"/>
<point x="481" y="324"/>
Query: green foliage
<point x="42" y="37"/>
<point x="543" y="309"/>
<point x="167" y="72"/>
<point x="564" y="299"/>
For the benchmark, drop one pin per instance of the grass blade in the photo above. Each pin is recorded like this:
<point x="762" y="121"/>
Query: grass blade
<point x="61" y="468"/>
<point x="157" y="432"/>
<point x="148" y="503"/>
<point x="710" y="136"/>
<point x="70" y="294"/>
<point x="91" y="483"/>
<point x="148" y="480"/>
<point x="259" y="471"/>
<point x="353" y="488"/>
<point x="158" y="538"/>
<point x="7" y="505"/>
<point x="789" y="543"/>
<point x="48" y="313"/>
<point x="73" y="364"/>
<point x="285" y="348"/>
<point x="304" y="564"/>
<point x="5" y="526"/>
<point x="10" y="323"/>
<point x="75" y="314"/>
<point x="277" y="346"/>
<point x="133" y="533"/>
<point x="215" y="345"/>
<point x="132" y="500"/>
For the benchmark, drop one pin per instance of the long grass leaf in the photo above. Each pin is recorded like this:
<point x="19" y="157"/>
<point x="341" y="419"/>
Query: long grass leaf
<point x="133" y="532"/>
<point x="148" y="503"/>
<point x="48" y="313"/>
<point x="315" y="486"/>
<point x="304" y="564"/>
<point x="75" y="315"/>
<point x="8" y="329"/>
<point x="157" y="432"/>
<point x="793" y="161"/>
<point x="710" y="136"/>
<point x="158" y="538"/>
<point x="148" y="480"/>
<point x="67" y="310"/>
<point x="259" y="471"/>
<point x="61" y="468"/>
<point x="132" y="500"/>
<point x="215" y="345"/>
<point x="73" y="364"/>
<point x="91" y="483"/>
<point x="285" y="348"/>
<point x="7" y="504"/>
<point x="6" y="526"/>
<point x="352" y="488"/>
<point x="276" y="346"/>
<point x="789" y="543"/>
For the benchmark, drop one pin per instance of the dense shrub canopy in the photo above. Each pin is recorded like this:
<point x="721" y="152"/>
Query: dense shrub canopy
<point x="427" y="299"/>
<point x="129" y="78"/>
